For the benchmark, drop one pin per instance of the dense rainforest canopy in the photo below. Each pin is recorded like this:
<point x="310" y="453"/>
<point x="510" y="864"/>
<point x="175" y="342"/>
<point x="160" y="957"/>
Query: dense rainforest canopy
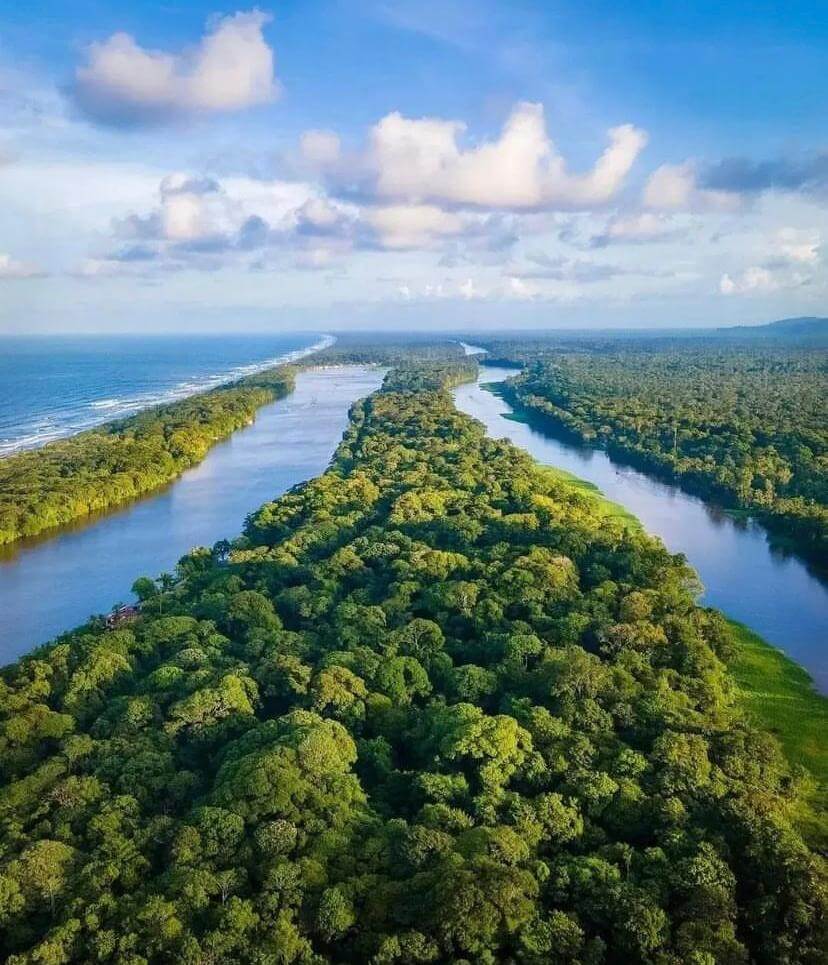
<point x="431" y="707"/>
<point x="118" y="461"/>
<point x="746" y="426"/>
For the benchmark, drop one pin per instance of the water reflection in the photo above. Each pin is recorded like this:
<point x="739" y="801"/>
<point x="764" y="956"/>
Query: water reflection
<point x="743" y="573"/>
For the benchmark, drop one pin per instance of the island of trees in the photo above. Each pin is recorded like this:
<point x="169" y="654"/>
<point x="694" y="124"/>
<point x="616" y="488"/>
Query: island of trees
<point x="432" y="706"/>
<point x="119" y="461"/>
<point x="744" y="426"/>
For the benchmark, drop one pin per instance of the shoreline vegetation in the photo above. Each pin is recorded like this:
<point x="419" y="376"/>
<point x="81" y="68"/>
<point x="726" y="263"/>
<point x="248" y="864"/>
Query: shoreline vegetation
<point x="776" y="693"/>
<point x="117" y="462"/>
<point x="775" y="474"/>
<point x="437" y="704"/>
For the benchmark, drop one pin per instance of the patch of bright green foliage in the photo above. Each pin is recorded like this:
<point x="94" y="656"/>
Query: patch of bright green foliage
<point x="115" y="463"/>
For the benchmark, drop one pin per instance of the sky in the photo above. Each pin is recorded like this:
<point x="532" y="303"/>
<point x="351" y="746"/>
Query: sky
<point x="440" y="164"/>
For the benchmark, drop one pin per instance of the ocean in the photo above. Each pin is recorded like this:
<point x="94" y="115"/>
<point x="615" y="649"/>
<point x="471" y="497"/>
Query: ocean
<point x="55" y="386"/>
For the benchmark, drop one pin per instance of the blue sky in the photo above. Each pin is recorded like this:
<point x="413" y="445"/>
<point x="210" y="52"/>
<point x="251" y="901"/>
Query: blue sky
<point x="330" y="164"/>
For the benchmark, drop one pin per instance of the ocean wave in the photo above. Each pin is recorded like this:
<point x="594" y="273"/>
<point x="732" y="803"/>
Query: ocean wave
<point x="107" y="410"/>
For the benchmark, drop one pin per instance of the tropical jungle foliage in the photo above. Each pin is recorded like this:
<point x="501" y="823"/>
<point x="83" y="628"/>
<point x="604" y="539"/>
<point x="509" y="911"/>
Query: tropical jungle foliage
<point x="747" y="427"/>
<point x="116" y="462"/>
<point x="430" y="707"/>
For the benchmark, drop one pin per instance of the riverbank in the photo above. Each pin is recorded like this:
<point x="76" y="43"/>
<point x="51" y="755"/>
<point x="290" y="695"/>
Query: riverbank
<point x="113" y="464"/>
<point x="796" y="534"/>
<point x="775" y="692"/>
<point x="53" y="583"/>
<point x="779" y="696"/>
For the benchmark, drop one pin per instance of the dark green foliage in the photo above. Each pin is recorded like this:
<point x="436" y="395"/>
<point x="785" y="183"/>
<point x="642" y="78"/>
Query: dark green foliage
<point x="431" y="375"/>
<point x="746" y="427"/>
<point x="117" y="462"/>
<point x="434" y="708"/>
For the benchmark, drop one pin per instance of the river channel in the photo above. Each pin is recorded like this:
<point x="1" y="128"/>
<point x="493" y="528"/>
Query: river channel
<point x="51" y="584"/>
<point x="772" y="593"/>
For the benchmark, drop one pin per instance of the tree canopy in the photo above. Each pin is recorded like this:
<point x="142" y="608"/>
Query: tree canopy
<point x="429" y="707"/>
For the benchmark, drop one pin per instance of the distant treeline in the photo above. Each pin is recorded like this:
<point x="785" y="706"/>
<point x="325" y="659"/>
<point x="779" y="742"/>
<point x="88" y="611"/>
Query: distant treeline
<point x="116" y="462"/>
<point x="385" y="348"/>
<point x="744" y="426"/>
<point x="430" y="377"/>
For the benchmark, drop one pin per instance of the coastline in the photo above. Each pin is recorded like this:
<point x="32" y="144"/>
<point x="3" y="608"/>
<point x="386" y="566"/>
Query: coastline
<point x="117" y="409"/>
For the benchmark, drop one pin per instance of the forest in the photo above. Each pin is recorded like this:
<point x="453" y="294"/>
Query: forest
<point x="431" y="706"/>
<point x="119" y="461"/>
<point x="743" y="426"/>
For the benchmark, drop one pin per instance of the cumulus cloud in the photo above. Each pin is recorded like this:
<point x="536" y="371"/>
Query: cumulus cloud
<point x="675" y="187"/>
<point x="10" y="268"/>
<point x="199" y="216"/>
<point x="797" y="245"/>
<point x="793" y="259"/>
<point x="403" y="226"/>
<point x="230" y="69"/>
<point x="421" y="161"/>
<point x="192" y="209"/>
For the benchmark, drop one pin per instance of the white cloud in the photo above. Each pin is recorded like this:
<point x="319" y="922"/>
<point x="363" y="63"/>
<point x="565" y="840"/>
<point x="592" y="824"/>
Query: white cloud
<point x="420" y="160"/>
<point x="753" y="280"/>
<point x="674" y="187"/>
<point x="11" y="268"/>
<point x="468" y="290"/>
<point x="403" y="226"/>
<point x="522" y="290"/>
<point x="230" y="69"/>
<point x="638" y="228"/>
<point x="799" y="245"/>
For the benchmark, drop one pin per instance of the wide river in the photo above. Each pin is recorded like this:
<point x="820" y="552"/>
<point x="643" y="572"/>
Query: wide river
<point x="54" y="583"/>
<point x="772" y="593"/>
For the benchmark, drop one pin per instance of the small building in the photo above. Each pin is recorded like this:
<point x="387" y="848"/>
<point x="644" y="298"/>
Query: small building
<point x="129" y="611"/>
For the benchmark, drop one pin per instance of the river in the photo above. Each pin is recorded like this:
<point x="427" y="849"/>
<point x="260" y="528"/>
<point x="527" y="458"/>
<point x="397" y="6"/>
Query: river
<point x="53" y="583"/>
<point x="770" y="592"/>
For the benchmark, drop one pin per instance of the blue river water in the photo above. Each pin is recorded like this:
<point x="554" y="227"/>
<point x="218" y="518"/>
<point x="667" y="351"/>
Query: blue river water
<point x="772" y="593"/>
<point x="54" y="582"/>
<point x="54" y="386"/>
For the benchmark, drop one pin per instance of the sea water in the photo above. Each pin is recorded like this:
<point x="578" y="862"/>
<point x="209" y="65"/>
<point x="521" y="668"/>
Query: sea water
<point x="54" y="386"/>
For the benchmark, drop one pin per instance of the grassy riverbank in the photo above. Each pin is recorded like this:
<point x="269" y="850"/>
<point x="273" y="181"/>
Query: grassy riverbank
<point x="775" y="692"/>
<point x="115" y="463"/>
<point x="780" y="697"/>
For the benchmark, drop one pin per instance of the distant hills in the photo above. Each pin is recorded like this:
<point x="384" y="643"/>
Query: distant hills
<point x="803" y="329"/>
